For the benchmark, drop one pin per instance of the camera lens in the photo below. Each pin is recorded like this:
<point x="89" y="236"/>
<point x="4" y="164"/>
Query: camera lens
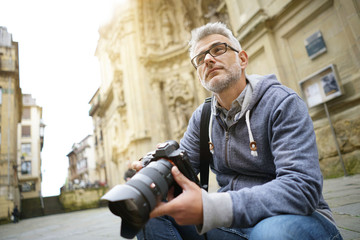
<point x="134" y="200"/>
<point x="132" y="221"/>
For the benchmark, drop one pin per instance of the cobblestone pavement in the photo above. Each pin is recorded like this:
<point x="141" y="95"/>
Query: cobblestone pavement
<point x="91" y="224"/>
<point x="342" y="194"/>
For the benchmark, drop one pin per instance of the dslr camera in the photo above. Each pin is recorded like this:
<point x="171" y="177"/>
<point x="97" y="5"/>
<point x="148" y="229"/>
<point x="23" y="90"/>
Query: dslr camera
<point x="134" y="200"/>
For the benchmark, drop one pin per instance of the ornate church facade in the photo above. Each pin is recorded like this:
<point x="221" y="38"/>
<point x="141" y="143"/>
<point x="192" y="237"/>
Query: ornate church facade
<point x="149" y="88"/>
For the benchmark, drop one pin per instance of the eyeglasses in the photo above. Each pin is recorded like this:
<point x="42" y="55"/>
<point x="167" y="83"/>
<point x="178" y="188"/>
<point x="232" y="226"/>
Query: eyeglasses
<point x="216" y="50"/>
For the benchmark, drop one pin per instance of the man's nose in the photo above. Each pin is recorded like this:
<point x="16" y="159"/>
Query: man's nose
<point x="208" y="58"/>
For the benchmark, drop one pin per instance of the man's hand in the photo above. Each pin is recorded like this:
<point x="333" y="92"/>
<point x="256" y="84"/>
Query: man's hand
<point x="137" y="165"/>
<point x="186" y="208"/>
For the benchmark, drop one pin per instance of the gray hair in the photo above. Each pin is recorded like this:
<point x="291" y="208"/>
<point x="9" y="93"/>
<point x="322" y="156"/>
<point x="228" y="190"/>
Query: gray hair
<point x="209" y="29"/>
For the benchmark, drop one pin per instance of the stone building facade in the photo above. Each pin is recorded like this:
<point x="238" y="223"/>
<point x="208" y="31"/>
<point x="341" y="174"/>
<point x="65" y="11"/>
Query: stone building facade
<point x="149" y="87"/>
<point x="10" y="116"/>
<point x="30" y="144"/>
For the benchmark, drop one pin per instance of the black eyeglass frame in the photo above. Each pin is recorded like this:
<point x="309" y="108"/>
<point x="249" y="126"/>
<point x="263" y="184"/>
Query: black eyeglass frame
<point x="208" y="52"/>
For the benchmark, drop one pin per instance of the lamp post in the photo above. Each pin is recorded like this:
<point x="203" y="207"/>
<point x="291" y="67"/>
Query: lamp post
<point x="41" y="133"/>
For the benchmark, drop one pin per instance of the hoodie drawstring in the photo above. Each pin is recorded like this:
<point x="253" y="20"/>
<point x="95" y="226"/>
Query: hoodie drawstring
<point x="253" y="147"/>
<point x="211" y="145"/>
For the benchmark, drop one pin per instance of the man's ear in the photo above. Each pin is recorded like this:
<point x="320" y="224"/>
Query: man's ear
<point x="244" y="59"/>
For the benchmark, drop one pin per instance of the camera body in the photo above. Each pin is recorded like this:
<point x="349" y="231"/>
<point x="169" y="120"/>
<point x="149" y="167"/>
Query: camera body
<point x="134" y="200"/>
<point x="170" y="151"/>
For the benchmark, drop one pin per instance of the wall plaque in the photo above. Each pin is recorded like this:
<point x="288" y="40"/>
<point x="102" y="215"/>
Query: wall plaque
<point x="315" y="45"/>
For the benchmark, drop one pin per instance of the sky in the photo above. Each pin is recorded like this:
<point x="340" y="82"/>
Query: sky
<point x="58" y="67"/>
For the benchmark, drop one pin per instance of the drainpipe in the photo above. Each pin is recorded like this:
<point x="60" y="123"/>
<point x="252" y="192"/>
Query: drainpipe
<point x="8" y="136"/>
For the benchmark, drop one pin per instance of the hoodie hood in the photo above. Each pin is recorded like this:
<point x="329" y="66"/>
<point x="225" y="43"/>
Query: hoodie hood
<point x="259" y="85"/>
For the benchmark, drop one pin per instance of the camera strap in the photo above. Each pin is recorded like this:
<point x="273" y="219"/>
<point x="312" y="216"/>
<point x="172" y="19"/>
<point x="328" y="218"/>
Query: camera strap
<point x="205" y="155"/>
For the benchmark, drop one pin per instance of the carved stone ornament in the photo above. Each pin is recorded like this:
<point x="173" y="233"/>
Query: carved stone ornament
<point x="180" y="102"/>
<point x="166" y="24"/>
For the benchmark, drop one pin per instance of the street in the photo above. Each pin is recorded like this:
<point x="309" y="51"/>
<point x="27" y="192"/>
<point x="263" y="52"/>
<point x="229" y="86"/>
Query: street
<point x="342" y="194"/>
<point x="94" y="224"/>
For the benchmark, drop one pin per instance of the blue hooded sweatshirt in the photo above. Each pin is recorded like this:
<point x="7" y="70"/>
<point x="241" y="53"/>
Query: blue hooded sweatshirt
<point x="280" y="174"/>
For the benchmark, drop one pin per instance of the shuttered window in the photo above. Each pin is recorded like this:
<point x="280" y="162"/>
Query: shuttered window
<point x="26" y="113"/>
<point x="25" y="131"/>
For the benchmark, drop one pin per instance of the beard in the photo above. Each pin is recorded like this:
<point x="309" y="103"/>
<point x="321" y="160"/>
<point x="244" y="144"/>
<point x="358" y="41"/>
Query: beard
<point x="225" y="81"/>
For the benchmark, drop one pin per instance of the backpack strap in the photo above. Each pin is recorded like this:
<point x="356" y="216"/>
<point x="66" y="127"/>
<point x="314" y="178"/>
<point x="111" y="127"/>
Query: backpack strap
<point x="205" y="155"/>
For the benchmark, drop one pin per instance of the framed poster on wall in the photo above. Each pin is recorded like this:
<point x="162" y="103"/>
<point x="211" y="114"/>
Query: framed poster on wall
<point x="321" y="86"/>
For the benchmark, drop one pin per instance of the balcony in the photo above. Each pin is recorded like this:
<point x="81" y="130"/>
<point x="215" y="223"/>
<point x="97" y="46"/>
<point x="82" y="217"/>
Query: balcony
<point x="93" y="109"/>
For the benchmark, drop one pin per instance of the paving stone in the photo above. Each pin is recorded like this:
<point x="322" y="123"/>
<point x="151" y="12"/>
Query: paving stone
<point x="350" y="209"/>
<point x="341" y="201"/>
<point x="347" y="222"/>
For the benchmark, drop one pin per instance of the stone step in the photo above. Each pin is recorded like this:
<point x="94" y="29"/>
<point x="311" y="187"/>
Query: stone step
<point x="52" y="205"/>
<point x="31" y="208"/>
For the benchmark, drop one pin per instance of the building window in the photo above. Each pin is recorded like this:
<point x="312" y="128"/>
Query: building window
<point x="26" y="114"/>
<point x="26" y="149"/>
<point x="25" y="131"/>
<point x="81" y="165"/>
<point x="27" y="186"/>
<point x="26" y="167"/>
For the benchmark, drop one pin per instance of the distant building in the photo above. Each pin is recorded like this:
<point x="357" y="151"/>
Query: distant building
<point x="30" y="144"/>
<point x="82" y="166"/>
<point x="10" y="116"/>
<point x="98" y="139"/>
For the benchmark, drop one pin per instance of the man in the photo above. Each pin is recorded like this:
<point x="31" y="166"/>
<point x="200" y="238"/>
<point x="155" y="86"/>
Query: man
<point x="265" y="157"/>
<point x="16" y="214"/>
